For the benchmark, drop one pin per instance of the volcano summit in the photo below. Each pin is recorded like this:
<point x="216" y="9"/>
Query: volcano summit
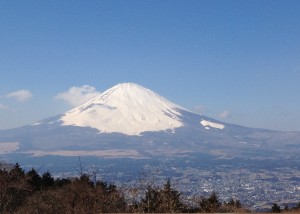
<point x="128" y="109"/>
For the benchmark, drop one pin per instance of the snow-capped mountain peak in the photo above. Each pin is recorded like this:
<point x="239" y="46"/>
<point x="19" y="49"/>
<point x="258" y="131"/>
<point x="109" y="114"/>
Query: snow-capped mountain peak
<point x="126" y="108"/>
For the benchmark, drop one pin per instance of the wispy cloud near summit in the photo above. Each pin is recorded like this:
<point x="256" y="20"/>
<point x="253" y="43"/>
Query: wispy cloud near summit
<point x="78" y="95"/>
<point x="224" y="114"/>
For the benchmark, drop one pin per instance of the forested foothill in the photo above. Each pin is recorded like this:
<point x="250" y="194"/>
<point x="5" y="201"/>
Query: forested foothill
<point x="31" y="192"/>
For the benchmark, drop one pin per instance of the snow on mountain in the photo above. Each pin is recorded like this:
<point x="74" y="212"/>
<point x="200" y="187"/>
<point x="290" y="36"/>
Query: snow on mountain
<point x="130" y="117"/>
<point x="126" y="108"/>
<point x="208" y="124"/>
<point x="8" y="147"/>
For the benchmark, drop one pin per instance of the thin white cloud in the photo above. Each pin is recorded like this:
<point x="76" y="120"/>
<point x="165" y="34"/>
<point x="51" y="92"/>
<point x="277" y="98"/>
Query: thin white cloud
<point x="78" y="95"/>
<point x="199" y="109"/>
<point x="224" y="114"/>
<point x="3" y="106"/>
<point x="20" y="95"/>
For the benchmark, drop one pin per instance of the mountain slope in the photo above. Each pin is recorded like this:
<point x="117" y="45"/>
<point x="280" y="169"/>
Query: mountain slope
<point x="131" y="117"/>
<point x="128" y="109"/>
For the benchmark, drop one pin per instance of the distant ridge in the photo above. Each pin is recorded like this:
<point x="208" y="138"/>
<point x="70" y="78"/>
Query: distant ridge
<point x="131" y="117"/>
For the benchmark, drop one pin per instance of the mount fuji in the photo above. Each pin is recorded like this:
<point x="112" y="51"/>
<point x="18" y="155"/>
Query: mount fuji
<point x="129" y="120"/>
<point x="129" y="129"/>
<point x="128" y="109"/>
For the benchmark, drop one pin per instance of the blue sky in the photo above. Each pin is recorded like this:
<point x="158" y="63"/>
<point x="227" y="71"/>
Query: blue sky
<point x="236" y="61"/>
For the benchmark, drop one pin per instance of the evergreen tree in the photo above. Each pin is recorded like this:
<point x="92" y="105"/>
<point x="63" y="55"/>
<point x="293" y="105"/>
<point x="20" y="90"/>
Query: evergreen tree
<point x="276" y="208"/>
<point x="34" y="179"/>
<point x="84" y="178"/>
<point x="164" y="200"/>
<point x="47" y="180"/>
<point x="170" y="199"/>
<point x="210" y="204"/>
<point x="62" y="182"/>
<point x="16" y="173"/>
<point x="13" y="189"/>
<point x="151" y="201"/>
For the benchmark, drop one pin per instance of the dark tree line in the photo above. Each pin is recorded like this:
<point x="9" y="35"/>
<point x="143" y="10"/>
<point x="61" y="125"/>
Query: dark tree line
<point x="30" y="192"/>
<point x="276" y="209"/>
